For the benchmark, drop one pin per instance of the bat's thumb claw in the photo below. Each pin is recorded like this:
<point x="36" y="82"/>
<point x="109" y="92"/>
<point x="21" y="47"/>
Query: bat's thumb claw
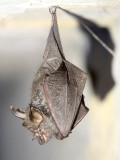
<point x="18" y="113"/>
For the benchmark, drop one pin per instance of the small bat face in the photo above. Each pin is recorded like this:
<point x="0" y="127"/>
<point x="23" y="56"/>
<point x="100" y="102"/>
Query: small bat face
<point x="33" y="122"/>
<point x="42" y="127"/>
<point x="57" y="103"/>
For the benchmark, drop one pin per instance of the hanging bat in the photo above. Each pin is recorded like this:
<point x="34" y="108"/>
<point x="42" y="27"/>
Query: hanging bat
<point x="57" y="103"/>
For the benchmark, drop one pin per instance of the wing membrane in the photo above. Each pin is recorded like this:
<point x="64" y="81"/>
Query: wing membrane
<point x="64" y="86"/>
<point x="63" y="98"/>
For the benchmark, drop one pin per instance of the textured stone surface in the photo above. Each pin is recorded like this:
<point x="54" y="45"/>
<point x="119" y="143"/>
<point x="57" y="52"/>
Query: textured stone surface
<point x="8" y="7"/>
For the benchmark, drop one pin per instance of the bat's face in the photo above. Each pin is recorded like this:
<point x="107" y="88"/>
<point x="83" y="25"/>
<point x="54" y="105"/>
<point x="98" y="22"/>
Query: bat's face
<point x="42" y="127"/>
<point x="33" y="122"/>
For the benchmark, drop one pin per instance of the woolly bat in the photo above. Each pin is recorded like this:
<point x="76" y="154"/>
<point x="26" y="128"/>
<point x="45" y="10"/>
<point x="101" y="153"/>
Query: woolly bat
<point x="57" y="103"/>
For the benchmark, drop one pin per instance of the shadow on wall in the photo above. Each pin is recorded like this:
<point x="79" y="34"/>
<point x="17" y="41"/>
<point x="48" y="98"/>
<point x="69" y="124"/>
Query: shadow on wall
<point x="98" y="60"/>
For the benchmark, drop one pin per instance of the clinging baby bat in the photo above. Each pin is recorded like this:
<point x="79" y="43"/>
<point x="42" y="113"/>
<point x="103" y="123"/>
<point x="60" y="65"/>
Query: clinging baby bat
<point x="57" y="103"/>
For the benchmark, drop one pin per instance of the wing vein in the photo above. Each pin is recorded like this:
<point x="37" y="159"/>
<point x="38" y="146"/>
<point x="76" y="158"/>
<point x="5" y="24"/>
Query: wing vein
<point x="66" y="106"/>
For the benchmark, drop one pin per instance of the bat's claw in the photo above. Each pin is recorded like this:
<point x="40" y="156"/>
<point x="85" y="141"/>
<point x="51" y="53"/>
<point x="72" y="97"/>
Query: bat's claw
<point x="34" y="137"/>
<point x="52" y="9"/>
<point x="18" y="113"/>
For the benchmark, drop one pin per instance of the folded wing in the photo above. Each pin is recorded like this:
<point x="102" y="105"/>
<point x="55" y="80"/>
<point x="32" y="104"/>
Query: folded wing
<point x="63" y="90"/>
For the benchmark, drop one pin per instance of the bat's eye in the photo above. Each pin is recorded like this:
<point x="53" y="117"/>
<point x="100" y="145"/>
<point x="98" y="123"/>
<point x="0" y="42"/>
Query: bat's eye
<point x="35" y="116"/>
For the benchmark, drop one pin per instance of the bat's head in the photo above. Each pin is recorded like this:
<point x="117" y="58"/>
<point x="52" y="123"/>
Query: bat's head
<point x="42" y="127"/>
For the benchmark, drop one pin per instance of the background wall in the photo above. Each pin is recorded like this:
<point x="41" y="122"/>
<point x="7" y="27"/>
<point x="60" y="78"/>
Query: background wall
<point x="22" y="42"/>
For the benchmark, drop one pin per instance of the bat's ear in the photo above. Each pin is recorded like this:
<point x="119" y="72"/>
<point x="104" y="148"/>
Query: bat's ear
<point x="35" y="116"/>
<point x="18" y="113"/>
